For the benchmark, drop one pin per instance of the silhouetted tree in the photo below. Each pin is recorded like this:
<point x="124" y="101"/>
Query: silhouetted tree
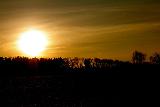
<point x="155" y="58"/>
<point x="87" y="63"/>
<point x="138" y="57"/>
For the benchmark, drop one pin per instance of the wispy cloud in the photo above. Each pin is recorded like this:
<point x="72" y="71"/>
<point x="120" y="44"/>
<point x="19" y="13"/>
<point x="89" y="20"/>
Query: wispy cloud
<point x="84" y="27"/>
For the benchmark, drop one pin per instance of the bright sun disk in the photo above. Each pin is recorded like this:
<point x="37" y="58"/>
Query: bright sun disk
<point x="32" y="42"/>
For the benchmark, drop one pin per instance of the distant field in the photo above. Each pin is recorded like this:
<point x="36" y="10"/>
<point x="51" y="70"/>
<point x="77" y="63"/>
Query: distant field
<point x="50" y="84"/>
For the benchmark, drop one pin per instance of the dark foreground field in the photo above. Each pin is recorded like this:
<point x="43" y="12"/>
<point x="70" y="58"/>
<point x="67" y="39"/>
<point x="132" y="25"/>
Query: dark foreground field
<point x="52" y="83"/>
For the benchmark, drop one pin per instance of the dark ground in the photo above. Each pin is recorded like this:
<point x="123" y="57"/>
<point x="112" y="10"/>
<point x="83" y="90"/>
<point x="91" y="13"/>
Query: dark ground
<point x="124" y="85"/>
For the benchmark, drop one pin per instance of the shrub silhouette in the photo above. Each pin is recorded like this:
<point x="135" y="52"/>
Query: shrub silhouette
<point x="138" y="57"/>
<point x="87" y="63"/>
<point x="155" y="58"/>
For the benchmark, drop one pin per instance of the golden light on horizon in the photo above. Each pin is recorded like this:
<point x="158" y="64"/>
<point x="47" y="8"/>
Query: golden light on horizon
<point x="32" y="42"/>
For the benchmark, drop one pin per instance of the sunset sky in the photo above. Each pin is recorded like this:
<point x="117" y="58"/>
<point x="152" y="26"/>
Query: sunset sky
<point x="83" y="28"/>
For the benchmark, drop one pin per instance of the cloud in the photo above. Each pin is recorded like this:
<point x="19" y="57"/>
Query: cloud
<point x="89" y="27"/>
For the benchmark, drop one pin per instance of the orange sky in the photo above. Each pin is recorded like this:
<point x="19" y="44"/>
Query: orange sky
<point x="87" y="28"/>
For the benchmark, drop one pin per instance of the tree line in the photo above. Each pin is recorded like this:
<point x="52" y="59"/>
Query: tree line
<point x="140" y="58"/>
<point x="25" y="65"/>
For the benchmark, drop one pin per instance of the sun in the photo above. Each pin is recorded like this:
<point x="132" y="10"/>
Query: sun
<point x="32" y="42"/>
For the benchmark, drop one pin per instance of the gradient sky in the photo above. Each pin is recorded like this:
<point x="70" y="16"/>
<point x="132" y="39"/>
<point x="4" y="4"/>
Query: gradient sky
<point x="83" y="28"/>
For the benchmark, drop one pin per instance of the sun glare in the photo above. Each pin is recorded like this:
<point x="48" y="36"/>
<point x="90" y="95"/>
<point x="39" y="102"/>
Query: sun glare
<point x="32" y="42"/>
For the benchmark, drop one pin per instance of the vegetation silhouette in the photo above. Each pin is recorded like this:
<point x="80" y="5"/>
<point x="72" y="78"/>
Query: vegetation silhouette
<point x="138" y="57"/>
<point x="78" y="82"/>
<point x="155" y="58"/>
